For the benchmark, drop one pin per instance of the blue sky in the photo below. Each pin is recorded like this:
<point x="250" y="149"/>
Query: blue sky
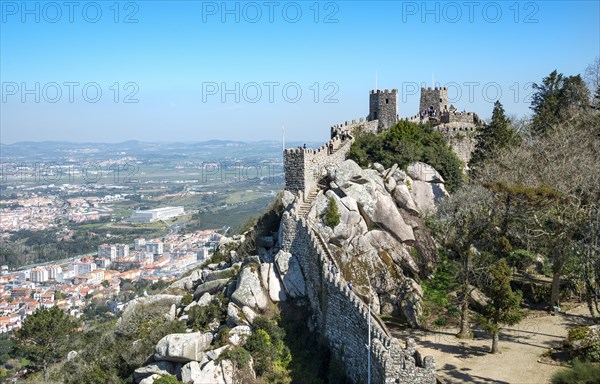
<point x="182" y="64"/>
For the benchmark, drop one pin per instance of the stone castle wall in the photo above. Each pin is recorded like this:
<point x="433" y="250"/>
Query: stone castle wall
<point x="461" y="137"/>
<point x="305" y="167"/>
<point x="344" y="319"/>
<point x="351" y="126"/>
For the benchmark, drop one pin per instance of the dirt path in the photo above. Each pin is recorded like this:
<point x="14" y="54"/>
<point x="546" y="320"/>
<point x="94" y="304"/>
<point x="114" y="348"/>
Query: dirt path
<point x="469" y="361"/>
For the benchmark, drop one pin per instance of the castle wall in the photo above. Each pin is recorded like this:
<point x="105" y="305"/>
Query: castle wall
<point x="305" y="167"/>
<point x="351" y="126"/>
<point x="461" y="138"/>
<point x="344" y="319"/>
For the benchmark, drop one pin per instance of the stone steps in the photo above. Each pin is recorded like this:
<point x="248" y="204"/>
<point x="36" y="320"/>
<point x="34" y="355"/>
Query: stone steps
<point x="305" y="206"/>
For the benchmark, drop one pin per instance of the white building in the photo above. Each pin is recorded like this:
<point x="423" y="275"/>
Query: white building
<point x="103" y="262"/>
<point x="139" y="244"/>
<point x="107" y="251"/>
<point x="84" y="267"/>
<point x="122" y="250"/>
<point x="39" y="275"/>
<point x="155" y="247"/>
<point x="54" y="271"/>
<point x="156" y="214"/>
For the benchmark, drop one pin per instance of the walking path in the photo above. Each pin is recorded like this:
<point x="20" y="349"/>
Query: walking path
<point x="469" y="361"/>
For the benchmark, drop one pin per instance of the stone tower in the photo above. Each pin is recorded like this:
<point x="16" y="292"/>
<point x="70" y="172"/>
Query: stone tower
<point x="436" y="98"/>
<point x="383" y="106"/>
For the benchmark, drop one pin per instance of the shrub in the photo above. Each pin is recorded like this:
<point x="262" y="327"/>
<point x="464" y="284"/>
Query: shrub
<point x="581" y="373"/>
<point x="238" y="355"/>
<point x="199" y="317"/>
<point x="521" y="259"/>
<point x="585" y="343"/>
<point x="270" y="354"/>
<point x="167" y="379"/>
<point x="331" y="216"/>
<point x="187" y="299"/>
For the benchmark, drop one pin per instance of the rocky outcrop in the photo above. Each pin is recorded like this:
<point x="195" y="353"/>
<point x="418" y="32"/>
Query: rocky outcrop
<point x="291" y="274"/>
<point x="249" y="291"/>
<point x="183" y="347"/>
<point x="381" y="240"/>
<point x="164" y="301"/>
<point x="158" y="368"/>
<point x="211" y="287"/>
<point x="271" y="282"/>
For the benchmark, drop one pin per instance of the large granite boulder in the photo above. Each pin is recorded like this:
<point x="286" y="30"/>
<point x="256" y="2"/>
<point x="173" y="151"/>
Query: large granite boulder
<point x="249" y="291"/>
<point x="425" y="195"/>
<point x="291" y="274"/>
<point x="272" y="283"/>
<point x="374" y="203"/>
<point x="211" y="287"/>
<point x="424" y="172"/>
<point x="221" y="373"/>
<point x="404" y="198"/>
<point x="182" y="347"/>
<point x="225" y="273"/>
<point x="239" y="334"/>
<point x="190" y="372"/>
<point x="164" y="301"/>
<point x="235" y="315"/>
<point x="383" y="241"/>
<point x="158" y="367"/>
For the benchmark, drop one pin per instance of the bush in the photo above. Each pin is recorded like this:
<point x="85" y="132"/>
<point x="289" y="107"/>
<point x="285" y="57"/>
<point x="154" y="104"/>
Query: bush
<point x="199" y="317"/>
<point x="167" y="379"/>
<point x="238" y="355"/>
<point x="187" y="299"/>
<point x="585" y="343"/>
<point x="521" y="259"/>
<point x="331" y="216"/>
<point x="581" y="373"/>
<point x="270" y="354"/>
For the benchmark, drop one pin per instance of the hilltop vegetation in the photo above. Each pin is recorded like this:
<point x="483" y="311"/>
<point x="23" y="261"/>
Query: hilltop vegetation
<point x="406" y="143"/>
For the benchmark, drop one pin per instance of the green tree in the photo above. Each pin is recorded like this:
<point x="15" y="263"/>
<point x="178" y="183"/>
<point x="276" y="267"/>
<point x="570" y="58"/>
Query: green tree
<point x="493" y="136"/>
<point x="331" y="216"/>
<point x="405" y="143"/>
<point x="44" y="336"/>
<point x="466" y="220"/>
<point x="504" y="303"/>
<point x="557" y="100"/>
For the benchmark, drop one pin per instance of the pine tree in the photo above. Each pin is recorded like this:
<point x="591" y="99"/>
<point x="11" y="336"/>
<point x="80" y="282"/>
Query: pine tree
<point x="492" y="137"/>
<point x="504" y="303"/>
<point x="331" y="216"/>
<point x="44" y="336"/>
<point x="557" y="100"/>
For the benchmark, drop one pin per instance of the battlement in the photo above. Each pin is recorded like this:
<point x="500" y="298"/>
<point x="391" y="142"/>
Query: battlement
<point x="350" y="126"/>
<point x="385" y="91"/>
<point x="434" y="89"/>
<point x="304" y="167"/>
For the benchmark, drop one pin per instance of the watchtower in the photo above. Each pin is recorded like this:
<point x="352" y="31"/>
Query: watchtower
<point x="436" y="98"/>
<point x="383" y="106"/>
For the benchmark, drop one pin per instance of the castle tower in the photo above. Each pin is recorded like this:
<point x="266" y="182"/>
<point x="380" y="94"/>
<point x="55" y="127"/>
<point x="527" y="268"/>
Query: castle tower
<point x="436" y="98"/>
<point x="383" y="106"/>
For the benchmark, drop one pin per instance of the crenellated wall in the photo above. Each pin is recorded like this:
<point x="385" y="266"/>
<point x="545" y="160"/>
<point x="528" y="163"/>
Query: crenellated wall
<point x="351" y="126"/>
<point x="343" y="318"/>
<point x="305" y="167"/>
